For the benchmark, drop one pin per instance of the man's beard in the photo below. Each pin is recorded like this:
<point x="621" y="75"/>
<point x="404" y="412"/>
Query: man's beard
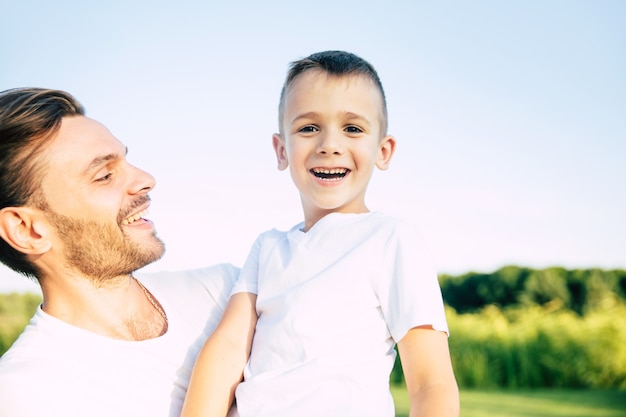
<point x="101" y="251"/>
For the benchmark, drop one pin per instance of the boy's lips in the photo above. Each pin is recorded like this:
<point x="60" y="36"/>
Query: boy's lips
<point x="329" y="174"/>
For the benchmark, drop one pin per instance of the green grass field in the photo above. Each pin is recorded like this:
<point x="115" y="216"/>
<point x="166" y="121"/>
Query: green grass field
<point x="531" y="403"/>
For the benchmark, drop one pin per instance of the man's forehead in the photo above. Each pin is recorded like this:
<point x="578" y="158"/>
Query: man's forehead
<point x="84" y="142"/>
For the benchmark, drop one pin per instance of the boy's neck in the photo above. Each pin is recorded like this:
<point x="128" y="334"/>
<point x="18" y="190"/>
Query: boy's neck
<point x="310" y="221"/>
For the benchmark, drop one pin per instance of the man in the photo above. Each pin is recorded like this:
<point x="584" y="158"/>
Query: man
<point x="72" y="211"/>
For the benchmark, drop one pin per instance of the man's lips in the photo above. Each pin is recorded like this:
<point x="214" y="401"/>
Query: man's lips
<point x="134" y="217"/>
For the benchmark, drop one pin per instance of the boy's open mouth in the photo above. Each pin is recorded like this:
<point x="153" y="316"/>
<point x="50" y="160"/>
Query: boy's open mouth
<point x="330" y="174"/>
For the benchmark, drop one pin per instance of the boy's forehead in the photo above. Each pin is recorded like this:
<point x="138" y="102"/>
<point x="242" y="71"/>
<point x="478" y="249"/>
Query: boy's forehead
<point x="318" y="83"/>
<point x="313" y="76"/>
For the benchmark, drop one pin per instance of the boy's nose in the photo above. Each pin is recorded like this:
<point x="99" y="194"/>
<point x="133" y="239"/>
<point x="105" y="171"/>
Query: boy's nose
<point x="330" y="144"/>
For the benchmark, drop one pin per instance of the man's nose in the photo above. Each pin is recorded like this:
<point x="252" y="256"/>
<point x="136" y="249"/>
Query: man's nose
<point x="142" y="182"/>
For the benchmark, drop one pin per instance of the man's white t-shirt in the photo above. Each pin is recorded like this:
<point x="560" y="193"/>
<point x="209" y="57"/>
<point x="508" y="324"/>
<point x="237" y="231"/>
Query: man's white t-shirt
<point x="58" y="370"/>
<point x="332" y="303"/>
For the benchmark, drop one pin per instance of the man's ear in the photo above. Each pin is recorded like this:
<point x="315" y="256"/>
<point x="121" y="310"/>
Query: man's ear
<point x="281" y="151"/>
<point x="386" y="148"/>
<point x="25" y="230"/>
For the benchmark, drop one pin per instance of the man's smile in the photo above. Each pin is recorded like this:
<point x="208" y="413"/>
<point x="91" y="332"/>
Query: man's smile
<point x="133" y="218"/>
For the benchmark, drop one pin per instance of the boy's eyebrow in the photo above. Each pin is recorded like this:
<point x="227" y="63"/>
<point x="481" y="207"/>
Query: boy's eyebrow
<point x="352" y="115"/>
<point x="98" y="161"/>
<point x="307" y="115"/>
<point x="312" y="114"/>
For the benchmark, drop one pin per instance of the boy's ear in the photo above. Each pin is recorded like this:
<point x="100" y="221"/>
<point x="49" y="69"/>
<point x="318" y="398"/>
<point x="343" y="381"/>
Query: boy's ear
<point x="281" y="152"/>
<point x="24" y="229"/>
<point x="386" y="148"/>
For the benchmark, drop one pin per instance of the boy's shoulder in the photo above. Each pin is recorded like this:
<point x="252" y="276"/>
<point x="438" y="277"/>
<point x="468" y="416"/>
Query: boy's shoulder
<point x="386" y="218"/>
<point x="277" y="233"/>
<point x="381" y="220"/>
<point x="365" y="226"/>
<point x="394" y="231"/>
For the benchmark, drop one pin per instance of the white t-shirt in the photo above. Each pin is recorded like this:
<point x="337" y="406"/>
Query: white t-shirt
<point x="55" y="369"/>
<point x="332" y="303"/>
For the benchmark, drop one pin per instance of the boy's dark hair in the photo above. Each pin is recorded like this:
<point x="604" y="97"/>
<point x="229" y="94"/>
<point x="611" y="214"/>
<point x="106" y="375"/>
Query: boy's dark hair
<point x="336" y="63"/>
<point x="29" y="117"/>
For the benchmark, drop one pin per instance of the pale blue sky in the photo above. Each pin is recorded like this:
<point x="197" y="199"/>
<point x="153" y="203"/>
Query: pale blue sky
<point x="510" y="116"/>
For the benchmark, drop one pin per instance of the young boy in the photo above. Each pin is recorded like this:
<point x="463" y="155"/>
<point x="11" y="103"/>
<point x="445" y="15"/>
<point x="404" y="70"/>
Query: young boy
<point x="338" y="291"/>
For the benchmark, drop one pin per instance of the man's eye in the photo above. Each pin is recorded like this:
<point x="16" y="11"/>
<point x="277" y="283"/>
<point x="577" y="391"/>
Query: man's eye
<point x="105" y="177"/>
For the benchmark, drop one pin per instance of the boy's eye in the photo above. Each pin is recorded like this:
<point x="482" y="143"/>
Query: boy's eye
<point x="308" y="129"/>
<point x="353" y="129"/>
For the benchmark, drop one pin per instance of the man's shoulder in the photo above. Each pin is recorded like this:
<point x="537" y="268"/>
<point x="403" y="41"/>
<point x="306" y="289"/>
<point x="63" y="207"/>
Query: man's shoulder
<point x="225" y="273"/>
<point x="24" y="361"/>
<point x="215" y="281"/>
<point x="16" y="393"/>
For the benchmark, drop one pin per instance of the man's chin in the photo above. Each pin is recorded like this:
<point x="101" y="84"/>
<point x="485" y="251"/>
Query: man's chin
<point x="156" y="252"/>
<point x="141" y="254"/>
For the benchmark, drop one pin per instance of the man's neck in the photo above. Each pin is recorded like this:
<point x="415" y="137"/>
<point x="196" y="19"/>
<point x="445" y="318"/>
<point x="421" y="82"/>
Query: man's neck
<point x="119" y="308"/>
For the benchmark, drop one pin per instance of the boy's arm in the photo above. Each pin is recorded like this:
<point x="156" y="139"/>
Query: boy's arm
<point x="219" y="366"/>
<point x="428" y="373"/>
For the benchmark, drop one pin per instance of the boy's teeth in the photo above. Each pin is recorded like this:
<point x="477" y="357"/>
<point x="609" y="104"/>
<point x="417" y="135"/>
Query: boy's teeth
<point x="134" y="218"/>
<point x="330" y="171"/>
<point x="333" y="174"/>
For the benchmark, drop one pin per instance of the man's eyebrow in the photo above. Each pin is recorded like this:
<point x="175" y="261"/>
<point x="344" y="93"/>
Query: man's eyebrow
<point x="97" y="162"/>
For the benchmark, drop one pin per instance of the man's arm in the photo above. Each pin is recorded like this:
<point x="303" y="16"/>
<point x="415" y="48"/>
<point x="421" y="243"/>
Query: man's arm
<point x="219" y="367"/>
<point x="428" y="373"/>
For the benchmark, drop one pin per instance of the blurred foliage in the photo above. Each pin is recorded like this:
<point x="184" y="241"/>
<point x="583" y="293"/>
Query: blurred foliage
<point x="540" y="346"/>
<point x="579" y="290"/>
<point x="528" y="328"/>
<point x="15" y="311"/>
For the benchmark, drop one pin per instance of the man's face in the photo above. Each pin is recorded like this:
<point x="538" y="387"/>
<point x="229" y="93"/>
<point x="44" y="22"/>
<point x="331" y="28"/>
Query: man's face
<point x="96" y="201"/>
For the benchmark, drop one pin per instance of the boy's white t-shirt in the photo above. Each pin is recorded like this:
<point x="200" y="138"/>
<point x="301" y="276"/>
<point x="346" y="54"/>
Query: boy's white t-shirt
<point x="55" y="369"/>
<point x="332" y="303"/>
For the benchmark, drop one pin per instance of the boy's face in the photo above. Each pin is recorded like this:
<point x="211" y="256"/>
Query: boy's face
<point x="332" y="139"/>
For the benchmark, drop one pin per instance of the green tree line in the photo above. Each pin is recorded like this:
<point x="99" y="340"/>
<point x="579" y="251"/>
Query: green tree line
<point x="529" y="328"/>
<point x="578" y="290"/>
